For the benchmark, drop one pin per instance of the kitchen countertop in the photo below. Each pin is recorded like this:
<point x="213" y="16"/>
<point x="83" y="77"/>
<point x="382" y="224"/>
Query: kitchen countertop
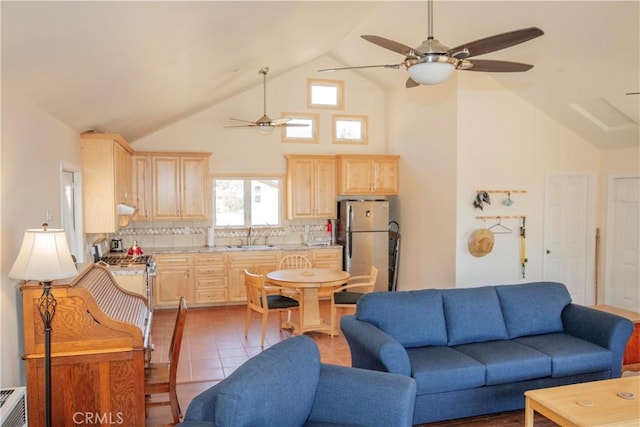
<point x="138" y="269"/>
<point x="235" y="248"/>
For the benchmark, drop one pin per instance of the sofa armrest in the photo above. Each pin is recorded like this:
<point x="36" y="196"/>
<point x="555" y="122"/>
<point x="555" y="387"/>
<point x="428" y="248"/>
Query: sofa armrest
<point x="352" y="396"/>
<point x="604" y="329"/>
<point x="373" y="349"/>
<point x="202" y="408"/>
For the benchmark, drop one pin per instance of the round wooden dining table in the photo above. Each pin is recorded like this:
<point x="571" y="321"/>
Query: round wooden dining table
<point x="308" y="281"/>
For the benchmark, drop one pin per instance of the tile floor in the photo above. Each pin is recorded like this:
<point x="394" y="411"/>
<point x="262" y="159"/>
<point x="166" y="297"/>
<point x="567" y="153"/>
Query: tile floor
<point x="214" y="346"/>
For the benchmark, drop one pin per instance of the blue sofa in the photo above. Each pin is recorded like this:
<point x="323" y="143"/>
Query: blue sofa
<point x="476" y="351"/>
<point x="286" y="385"/>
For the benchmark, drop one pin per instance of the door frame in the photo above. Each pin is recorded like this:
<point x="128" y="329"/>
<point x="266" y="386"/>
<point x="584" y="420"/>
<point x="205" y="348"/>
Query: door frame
<point x="609" y="241"/>
<point x="590" y="230"/>
<point x="77" y="204"/>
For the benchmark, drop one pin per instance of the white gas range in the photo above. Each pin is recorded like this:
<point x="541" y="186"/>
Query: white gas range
<point x="134" y="274"/>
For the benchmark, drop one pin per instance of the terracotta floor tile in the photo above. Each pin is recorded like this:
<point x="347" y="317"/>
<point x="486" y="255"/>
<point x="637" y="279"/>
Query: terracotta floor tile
<point x="214" y="346"/>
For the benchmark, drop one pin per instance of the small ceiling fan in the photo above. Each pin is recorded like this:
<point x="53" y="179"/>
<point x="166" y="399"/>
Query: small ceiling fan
<point x="432" y="62"/>
<point x="265" y="125"/>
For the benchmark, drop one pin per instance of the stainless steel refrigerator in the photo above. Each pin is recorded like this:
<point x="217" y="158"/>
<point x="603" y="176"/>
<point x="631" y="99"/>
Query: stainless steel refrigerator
<point x="364" y="234"/>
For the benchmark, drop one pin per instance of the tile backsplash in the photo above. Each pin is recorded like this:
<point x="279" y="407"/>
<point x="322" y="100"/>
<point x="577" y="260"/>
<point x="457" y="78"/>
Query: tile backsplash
<point x="184" y="234"/>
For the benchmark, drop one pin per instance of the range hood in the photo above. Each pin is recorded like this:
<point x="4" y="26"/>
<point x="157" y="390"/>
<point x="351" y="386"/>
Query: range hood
<point x="126" y="209"/>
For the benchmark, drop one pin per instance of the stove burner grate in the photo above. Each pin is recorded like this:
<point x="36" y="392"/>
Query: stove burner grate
<point x="125" y="259"/>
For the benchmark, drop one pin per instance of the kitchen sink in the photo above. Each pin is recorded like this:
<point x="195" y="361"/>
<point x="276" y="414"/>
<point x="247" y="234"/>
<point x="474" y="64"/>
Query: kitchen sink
<point x="250" y="247"/>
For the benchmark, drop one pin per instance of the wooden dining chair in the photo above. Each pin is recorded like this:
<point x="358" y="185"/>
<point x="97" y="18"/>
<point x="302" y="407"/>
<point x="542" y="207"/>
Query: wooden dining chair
<point x="344" y="296"/>
<point x="260" y="301"/>
<point x="161" y="377"/>
<point x="294" y="261"/>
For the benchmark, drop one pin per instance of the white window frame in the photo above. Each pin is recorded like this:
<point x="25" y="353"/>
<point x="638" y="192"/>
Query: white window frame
<point x="247" y="200"/>
<point x="315" y="131"/>
<point x="362" y="119"/>
<point x="338" y="84"/>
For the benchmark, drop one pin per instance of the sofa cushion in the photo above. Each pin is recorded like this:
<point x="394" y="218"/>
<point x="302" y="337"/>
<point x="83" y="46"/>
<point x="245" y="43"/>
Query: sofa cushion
<point x="533" y="308"/>
<point x="282" y="376"/>
<point x="473" y="315"/>
<point x="441" y="368"/>
<point x="570" y="355"/>
<point x="508" y="361"/>
<point x="413" y="318"/>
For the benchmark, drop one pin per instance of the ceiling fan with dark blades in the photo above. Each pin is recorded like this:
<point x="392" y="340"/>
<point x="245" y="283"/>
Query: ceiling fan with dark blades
<point x="432" y="62"/>
<point x="265" y="124"/>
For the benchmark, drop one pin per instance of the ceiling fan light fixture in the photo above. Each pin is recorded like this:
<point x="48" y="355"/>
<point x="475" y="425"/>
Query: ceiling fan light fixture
<point x="432" y="71"/>
<point x="264" y="129"/>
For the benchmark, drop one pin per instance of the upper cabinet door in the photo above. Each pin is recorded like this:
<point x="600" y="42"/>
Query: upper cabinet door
<point x="106" y="180"/>
<point x="166" y="188"/>
<point x="385" y="175"/>
<point x="368" y="175"/>
<point x="311" y="186"/>
<point x="194" y="178"/>
<point x="180" y="186"/>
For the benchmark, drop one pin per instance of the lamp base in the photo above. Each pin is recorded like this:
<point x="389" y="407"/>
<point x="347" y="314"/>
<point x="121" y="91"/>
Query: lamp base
<point x="47" y="309"/>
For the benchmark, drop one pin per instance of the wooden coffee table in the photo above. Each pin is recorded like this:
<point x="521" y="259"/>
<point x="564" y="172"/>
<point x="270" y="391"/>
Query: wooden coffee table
<point x="587" y="404"/>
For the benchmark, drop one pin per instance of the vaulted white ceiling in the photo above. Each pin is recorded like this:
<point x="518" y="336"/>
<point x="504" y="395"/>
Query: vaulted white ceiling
<point x="135" y="67"/>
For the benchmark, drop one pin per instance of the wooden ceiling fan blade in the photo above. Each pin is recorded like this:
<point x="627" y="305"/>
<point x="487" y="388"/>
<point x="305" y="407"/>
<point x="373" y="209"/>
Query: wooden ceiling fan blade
<point x="280" y="121"/>
<point x="241" y="120"/>
<point x="498" y="42"/>
<point x="394" y="66"/>
<point x="391" y="45"/>
<point x="494" y="66"/>
<point x="241" y="126"/>
<point x="411" y="83"/>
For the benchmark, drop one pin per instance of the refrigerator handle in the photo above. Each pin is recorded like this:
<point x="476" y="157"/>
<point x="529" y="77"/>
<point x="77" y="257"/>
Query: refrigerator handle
<point x="349" y="232"/>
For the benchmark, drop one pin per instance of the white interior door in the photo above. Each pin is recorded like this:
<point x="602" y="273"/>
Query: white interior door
<point x="623" y="244"/>
<point x="569" y="236"/>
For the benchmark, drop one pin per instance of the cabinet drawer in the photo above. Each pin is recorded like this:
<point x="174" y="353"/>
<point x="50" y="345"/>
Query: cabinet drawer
<point x="211" y="283"/>
<point x="173" y="259"/>
<point x="210" y="259"/>
<point x="250" y="258"/>
<point x="327" y="255"/>
<point x="211" y="295"/>
<point x="211" y="270"/>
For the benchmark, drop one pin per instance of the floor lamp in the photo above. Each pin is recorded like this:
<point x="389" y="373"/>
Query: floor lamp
<point x="44" y="256"/>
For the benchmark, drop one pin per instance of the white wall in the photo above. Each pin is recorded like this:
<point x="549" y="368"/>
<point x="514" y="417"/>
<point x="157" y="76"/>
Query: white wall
<point x="505" y="143"/>
<point x="33" y="145"/>
<point x="240" y="150"/>
<point x="421" y="128"/>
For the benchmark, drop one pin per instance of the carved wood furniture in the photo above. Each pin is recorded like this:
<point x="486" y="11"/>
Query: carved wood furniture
<point x="99" y="336"/>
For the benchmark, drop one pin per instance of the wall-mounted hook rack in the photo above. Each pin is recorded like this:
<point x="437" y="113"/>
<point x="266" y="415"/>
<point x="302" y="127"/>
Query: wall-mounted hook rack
<point x="500" y="216"/>
<point x="505" y="191"/>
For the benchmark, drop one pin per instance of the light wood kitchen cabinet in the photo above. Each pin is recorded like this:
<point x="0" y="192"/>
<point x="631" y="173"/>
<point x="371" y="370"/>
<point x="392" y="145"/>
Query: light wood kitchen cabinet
<point x="180" y="186"/>
<point x="311" y="186"/>
<point x="174" y="278"/>
<point x="327" y="258"/>
<point x="106" y="180"/>
<point x="257" y="260"/>
<point x="210" y="278"/>
<point x="141" y="186"/>
<point x="218" y="278"/>
<point x="368" y="175"/>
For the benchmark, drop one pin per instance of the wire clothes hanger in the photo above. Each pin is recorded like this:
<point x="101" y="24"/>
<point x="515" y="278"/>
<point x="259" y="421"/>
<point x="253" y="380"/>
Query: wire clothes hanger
<point x="498" y="228"/>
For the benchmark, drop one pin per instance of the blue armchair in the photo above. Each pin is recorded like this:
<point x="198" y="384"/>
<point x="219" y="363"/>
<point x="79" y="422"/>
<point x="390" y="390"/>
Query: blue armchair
<point x="286" y="385"/>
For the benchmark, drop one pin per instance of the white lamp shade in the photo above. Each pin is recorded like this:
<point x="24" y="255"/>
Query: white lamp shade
<point x="44" y="256"/>
<point x="265" y="129"/>
<point x="430" y="73"/>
